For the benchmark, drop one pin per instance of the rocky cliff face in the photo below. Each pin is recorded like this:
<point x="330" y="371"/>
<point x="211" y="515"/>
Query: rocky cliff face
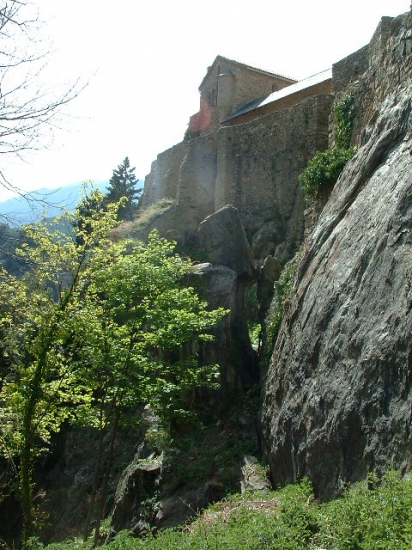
<point x="337" y="400"/>
<point x="337" y="397"/>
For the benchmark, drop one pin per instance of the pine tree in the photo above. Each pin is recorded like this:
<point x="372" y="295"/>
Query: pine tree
<point x="123" y="184"/>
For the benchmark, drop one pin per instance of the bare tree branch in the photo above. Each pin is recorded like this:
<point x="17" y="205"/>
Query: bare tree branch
<point x="29" y="111"/>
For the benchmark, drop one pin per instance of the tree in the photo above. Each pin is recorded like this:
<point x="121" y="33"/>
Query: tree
<point x="139" y="318"/>
<point x="123" y="184"/>
<point x="27" y="107"/>
<point x="93" y="331"/>
<point x="10" y="239"/>
<point x="88" y="208"/>
<point x="39" y="389"/>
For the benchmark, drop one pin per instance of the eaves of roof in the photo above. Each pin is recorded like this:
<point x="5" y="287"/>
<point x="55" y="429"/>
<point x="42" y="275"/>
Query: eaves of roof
<point x="243" y="65"/>
<point x="284" y="92"/>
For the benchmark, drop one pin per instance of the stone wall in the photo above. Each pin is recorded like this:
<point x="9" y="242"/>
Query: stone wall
<point x="196" y="182"/>
<point x="253" y="161"/>
<point x="386" y="67"/>
<point x="258" y="168"/>
<point x="252" y="166"/>
<point x="350" y="68"/>
<point x="227" y="86"/>
<point x="163" y="179"/>
<point x="337" y="399"/>
<point x="252" y="84"/>
<point x="285" y="102"/>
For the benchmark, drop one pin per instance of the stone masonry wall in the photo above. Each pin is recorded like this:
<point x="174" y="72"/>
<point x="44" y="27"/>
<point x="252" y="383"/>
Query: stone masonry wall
<point x="249" y="87"/>
<point x="196" y="182"/>
<point x="254" y="167"/>
<point x="258" y="168"/>
<point x="371" y="88"/>
<point x="285" y="102"/>
<point x="228" y="86"/>
<point x="350" y="68"/>
<point x="162" y="181"/>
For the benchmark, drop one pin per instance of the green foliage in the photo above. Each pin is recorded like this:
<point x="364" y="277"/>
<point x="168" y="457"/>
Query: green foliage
<point x="94" y="330"/>
<point x="89" y="206"/>
<point x="10" y="239"/>
<point x="255" y="334"/>
<point x="344" y="118"/>
<point x="323" y="170"/>
<point x="39" y="389"/>
<point x="298" y="519"/>
<point x="280" y="301"/>
<point x="214" y="453"/>
<point x="191" y="134"/>
<point x="123" y="184"/>
<point x="371" y="517"/>
<point x="135" y="317"/>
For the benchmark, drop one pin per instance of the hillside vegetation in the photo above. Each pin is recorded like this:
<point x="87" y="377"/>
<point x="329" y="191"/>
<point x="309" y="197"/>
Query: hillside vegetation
<point x="368" y="516"/>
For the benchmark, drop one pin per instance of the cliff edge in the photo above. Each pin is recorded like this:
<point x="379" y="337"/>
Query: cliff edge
<point x="337" y="399"/>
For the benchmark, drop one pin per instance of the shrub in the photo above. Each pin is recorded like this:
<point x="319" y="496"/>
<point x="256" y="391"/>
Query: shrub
<point x="323" y="169"/>
<point x="344" y="118"/>
<point x="369" y="516"/>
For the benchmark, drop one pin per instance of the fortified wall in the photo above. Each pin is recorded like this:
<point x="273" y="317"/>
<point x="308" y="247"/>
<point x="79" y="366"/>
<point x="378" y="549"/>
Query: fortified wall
<point x="253" y="135"/>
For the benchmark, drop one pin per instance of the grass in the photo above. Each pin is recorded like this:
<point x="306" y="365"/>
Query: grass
<point x="371" y="515"/>
<point x="143" y="220"/>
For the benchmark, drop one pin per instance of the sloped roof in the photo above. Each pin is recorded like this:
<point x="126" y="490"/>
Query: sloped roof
<point x="220" y="59"/>
<point x="284" y="92"/>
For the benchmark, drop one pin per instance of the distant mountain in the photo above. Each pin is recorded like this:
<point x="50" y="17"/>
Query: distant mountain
<point x="44" y="203"/>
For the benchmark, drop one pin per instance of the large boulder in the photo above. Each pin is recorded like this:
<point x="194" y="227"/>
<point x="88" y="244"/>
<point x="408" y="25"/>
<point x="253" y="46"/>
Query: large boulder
<point x="136" y="494"/>
<point x="223" y="241"/>
<point x="337" y="401"/>
<point x="231" y="349"/>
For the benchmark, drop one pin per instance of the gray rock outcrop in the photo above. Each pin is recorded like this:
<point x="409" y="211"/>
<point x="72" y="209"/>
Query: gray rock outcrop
<point x="223" y="241"/>
<point x="337" y="400"/>
<point x="221" y="286"/>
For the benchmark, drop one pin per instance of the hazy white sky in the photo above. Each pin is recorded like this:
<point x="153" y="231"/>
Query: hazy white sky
<point x="144" y="60"/>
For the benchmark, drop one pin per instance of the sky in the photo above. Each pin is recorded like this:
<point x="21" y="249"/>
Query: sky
<point x="143" y="61"/>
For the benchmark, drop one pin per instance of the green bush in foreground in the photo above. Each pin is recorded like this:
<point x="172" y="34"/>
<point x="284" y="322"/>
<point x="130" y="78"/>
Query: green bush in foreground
<point x="370" y="516"/>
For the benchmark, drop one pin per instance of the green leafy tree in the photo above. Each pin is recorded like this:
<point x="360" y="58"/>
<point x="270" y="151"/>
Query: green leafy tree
<point x="39" y="389"/>
<point x="138" y="344"/>
<point x="95" y="330"/>
<point x="123" y="183"/>
<point x="87" y="209"/>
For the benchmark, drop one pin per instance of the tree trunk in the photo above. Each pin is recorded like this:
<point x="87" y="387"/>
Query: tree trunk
<point x="105" y="484"/>
<point x="97" y="471"/>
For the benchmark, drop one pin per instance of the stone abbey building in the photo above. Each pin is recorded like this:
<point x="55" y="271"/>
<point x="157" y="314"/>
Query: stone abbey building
<point x="247" y="145"/>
